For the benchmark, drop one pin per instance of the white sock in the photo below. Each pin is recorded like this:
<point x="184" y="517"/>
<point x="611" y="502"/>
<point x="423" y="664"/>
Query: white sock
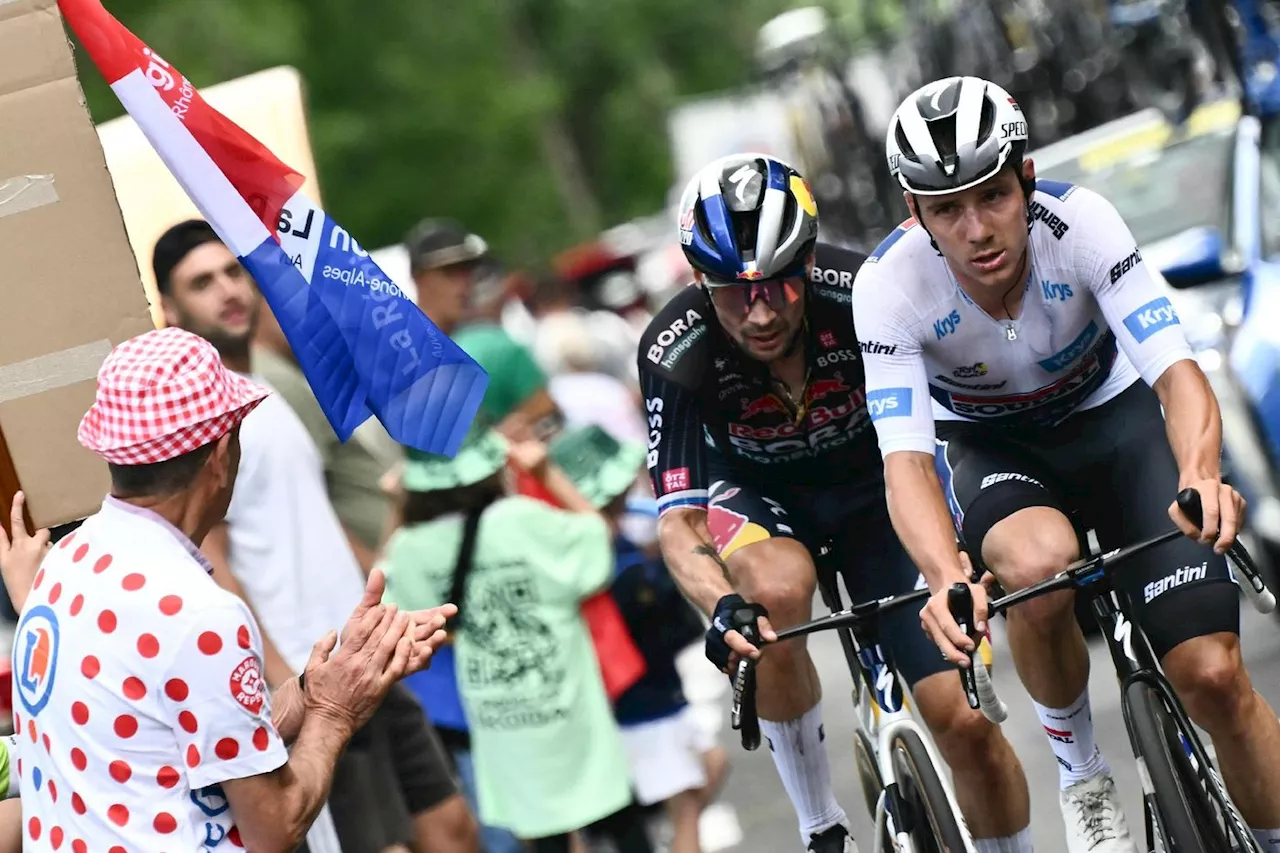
<point x="1268" y="839"/>
<point x="1070" y="733"/>
<point x="1019" y="842"/>
<point x="801" y="758"/>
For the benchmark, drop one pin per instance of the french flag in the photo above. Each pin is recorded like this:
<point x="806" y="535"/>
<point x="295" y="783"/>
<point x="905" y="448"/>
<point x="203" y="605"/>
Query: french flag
<point x="364" y="346"/>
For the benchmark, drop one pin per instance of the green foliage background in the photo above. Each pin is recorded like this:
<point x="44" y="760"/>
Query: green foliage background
<point x="428" y="107"/>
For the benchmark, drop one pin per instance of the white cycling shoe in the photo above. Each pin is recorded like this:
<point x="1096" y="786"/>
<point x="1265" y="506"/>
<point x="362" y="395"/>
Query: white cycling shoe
<point x="1094" y="820"/>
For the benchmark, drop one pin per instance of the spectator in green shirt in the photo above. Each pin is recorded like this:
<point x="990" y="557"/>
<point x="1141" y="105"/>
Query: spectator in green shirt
<point x="462" y="291"/>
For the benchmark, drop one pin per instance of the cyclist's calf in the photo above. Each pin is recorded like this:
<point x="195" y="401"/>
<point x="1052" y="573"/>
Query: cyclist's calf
<point x="1209" y="676"/>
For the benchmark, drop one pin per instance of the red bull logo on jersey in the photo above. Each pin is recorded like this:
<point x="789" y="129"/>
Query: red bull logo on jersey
<point x="820" y="388"/>
<point x="762" y="405"/>
<point x="35" y="658"/>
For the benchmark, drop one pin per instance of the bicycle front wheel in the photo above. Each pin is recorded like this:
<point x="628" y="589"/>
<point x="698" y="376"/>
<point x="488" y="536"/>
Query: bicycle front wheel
<point x="1182" y="811"/>
<point x="935" y="828"/>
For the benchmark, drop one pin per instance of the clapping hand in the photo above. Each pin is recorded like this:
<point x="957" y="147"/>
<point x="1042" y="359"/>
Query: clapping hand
<point x="427" y="626"/>
<point x="20" y="556"/>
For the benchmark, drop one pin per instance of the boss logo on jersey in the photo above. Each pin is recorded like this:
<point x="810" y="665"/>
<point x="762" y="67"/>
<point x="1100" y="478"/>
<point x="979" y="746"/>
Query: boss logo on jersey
<point x="946" y="325"/>
<point x="1056" y="291"/>
<point x="1118" y="271"/>
<point x="1151" y="318"/>
<point x="837" y="357"/>
<point x="676" y="331"/>
<point x="1073" y="350"/>
<point x="889" y="403"/>
<point x="1051" y="220"/>
<point x="971" y="372"/>
<point x="1186" y="574"/>
<point x="991" y="479"/>
<point x="877" y="348"/>
<point x="653" y="406"/>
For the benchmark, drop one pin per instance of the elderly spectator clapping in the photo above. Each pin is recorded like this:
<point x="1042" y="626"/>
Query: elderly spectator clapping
<point x="143" y="717"/>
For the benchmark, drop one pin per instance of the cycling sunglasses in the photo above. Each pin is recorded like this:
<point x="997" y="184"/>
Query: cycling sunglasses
<point x="738" y="296"/>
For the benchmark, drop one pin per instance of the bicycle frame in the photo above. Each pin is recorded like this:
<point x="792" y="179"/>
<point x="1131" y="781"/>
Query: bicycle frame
<point x="882" y="709"/>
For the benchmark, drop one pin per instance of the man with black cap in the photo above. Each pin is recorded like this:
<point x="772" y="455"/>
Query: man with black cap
<point x="461" y="288"/>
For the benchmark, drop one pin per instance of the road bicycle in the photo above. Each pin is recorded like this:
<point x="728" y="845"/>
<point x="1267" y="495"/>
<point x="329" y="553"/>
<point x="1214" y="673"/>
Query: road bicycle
<point x="1186" y="805"/>
<point x="908" y="794"/>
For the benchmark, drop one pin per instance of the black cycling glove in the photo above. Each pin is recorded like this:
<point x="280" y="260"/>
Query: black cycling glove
<point x="732" y="613"/>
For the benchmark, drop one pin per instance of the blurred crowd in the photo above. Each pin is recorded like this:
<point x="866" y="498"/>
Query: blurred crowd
<point x="556" y="718"/>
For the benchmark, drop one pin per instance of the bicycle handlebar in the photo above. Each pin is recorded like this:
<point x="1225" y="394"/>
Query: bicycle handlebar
<point x="976" y="680"/>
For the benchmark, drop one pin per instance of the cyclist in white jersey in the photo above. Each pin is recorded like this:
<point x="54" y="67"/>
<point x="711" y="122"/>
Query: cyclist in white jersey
<point x="1006" y="329"/>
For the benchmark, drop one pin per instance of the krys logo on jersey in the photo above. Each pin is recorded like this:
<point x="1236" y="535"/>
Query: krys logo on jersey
<point x="675" y="340"/>
<point x="1150" y="318"/>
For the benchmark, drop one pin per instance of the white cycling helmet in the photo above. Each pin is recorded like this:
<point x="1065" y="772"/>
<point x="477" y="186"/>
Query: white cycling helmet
<point x="952" y="134"/>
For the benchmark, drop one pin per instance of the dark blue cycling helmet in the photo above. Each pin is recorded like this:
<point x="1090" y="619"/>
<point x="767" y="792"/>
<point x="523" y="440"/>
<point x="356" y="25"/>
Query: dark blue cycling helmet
<point x="748" y="217"/>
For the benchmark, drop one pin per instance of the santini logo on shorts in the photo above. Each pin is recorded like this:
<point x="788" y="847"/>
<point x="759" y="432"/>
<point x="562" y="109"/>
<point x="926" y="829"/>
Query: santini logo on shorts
<point x="992" y="479"/>
<point x="1186" y="574"/>
<point x="1151" y="318"/>
<point x="889" y="403"/>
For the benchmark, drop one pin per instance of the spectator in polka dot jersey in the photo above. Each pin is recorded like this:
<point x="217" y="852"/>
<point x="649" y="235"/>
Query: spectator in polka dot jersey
<point x="142" y="718"/>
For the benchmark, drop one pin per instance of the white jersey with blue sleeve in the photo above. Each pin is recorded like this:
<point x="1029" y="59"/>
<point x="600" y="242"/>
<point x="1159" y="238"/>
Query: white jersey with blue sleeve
<point x="1093" y="321"/>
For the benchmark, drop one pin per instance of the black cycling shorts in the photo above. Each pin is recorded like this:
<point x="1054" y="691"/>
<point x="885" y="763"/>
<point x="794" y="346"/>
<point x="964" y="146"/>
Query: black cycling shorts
<point x="854" y="517"/>
<point x="1108" y="469"/>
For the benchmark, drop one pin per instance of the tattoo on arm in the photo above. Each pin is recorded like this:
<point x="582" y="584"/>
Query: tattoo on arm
<point x="710" y="551"/>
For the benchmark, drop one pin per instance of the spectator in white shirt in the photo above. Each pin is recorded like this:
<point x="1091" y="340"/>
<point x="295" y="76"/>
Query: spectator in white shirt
<point x="143" y="718"/>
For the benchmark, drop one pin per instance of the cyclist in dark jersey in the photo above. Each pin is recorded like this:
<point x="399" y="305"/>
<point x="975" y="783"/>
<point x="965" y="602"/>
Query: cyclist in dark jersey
<point x="760" y="449"/>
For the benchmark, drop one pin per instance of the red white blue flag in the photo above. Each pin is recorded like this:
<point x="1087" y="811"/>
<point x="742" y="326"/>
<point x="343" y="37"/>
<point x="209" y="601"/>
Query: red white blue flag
<point x="364" y="346"/>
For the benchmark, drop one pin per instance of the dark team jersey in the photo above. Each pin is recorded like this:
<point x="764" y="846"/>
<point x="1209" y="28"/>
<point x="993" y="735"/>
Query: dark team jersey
<point x="704" y="396"/>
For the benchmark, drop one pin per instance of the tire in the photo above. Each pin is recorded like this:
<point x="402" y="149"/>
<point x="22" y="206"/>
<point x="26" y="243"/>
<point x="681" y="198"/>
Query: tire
<point x="1184" y="809"/>
<point x="864" y="759"/>
<point x="937" y="830"/>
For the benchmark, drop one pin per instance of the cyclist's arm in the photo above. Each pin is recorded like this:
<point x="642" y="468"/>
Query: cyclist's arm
<point x="677" y="469"/>
<point x="1149" y="332"/>
<point x="899" y="403"/>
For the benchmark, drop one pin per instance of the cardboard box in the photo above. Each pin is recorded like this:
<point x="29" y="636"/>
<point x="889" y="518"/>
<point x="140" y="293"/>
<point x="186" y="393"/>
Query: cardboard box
<point x="269" y="105"/>
<point x="70" y="289"/>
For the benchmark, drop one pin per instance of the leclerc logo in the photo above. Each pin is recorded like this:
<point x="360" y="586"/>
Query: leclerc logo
<point x="1151" y="318"/>
<point x="889" y="403"/>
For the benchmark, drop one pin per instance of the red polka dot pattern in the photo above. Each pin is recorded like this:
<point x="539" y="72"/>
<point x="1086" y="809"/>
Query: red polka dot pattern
<point x="80" y="553"/>
<point x="31" y="730"/>
<point x="55" y="837"/>
<point x="104" y="563"/>
<point x="187" y="720"/>
<point x="78" y="846"/>
<point x="76" y="604"/>
<point x="133" y="582"/>
<point x="120" y="771"/>
<point x="126" y="725"/>
<point x="67" y="540"/>
<point x="176" y="689"/>
<point x="209" y="643"/>
<point x="164" y="823"/>
<point x="33" y="828"/>
<point x="261" y="739"/>
<point x="148" y="645"/>
<point x="78" y="759"/>
<point x="45" y="740"/>
<point x="234" y="836"/>
<point x="170" y="605"/>
<point x="55" y="592"/>
<point x="77" y="803"/>
<point x="53" y="790"/>
<point x="134" y="688"/>
<point x="193" y="755"/>
<point x="118" y="814"/>
<point x="106" y="621"/>
<point x="242" y="636"/>
<point x="227" y="749"/>
<point x="167" y="777"/>
<point x="89" y="667"/>
<point x="39" y="579"/>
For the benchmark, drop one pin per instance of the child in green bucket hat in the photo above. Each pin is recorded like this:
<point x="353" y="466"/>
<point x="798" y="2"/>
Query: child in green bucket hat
<point x="547" y="752"/>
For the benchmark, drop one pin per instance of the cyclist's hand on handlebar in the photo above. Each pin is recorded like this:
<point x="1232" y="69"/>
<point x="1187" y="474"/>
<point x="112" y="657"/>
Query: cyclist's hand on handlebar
<point x="938" y="623"/>
<point x="1222" y="509"/>
<point x="737" y="629"/>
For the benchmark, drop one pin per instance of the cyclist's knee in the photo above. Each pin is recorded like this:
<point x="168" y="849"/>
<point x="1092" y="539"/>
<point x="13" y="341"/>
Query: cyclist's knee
<point x="1209" y="676"/>
<point x="1028" y="546"/>
<point x="779" y="574"/>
